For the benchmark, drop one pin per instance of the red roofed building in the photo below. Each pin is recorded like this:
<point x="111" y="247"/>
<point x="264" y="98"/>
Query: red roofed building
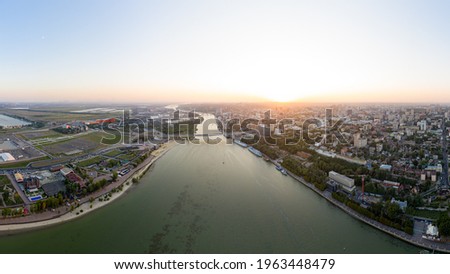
<point x="74" y="178"/>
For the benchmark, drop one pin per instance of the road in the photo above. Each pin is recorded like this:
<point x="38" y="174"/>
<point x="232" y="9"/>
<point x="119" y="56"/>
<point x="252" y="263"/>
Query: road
<point x="17" y="187"/>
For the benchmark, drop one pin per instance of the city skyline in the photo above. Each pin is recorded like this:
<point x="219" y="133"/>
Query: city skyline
<point x="197" y="51"/>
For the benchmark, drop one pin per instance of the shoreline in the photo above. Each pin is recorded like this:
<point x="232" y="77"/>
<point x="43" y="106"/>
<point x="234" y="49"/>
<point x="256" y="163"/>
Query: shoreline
<point x="85" y="207"/>
<point x="434" y="246"/>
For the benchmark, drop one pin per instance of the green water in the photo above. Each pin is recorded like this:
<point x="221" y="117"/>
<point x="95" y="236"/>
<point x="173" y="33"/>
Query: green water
<point x="211" y="199"/>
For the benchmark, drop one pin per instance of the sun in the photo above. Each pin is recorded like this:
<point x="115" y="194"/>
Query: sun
<point x="281" y="97"/>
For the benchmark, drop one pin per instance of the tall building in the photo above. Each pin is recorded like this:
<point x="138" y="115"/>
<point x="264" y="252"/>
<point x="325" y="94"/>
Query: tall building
<point x="422" y="125"/>
<point x="358" y="141"/>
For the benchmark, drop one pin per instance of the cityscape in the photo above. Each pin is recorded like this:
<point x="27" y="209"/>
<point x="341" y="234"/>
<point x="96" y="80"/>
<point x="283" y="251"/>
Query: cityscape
<point x="383" y="165"/>
<point x="224" y="127"/>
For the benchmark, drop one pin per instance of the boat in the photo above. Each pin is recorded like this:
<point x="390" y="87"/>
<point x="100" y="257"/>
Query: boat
<point x="282" y="170"/>
<point x="255" y="151"/>
<point x="239" y="143"/>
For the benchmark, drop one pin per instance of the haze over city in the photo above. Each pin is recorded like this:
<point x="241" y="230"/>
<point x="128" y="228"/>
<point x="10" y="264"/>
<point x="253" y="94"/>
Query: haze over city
<point x="210" y="51"/>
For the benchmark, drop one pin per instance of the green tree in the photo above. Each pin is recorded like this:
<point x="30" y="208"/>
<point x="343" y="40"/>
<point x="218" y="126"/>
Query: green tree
<point x="443" y="224"/>
<point x="393" y="211"/>
<point x="114" y="176"/>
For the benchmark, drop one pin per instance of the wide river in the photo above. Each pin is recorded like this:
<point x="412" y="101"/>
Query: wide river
<point x="211" y="199"/>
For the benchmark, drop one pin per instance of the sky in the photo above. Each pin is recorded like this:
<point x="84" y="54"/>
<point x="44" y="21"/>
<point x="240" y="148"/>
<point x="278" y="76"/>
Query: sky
<point x="224" y="51"/>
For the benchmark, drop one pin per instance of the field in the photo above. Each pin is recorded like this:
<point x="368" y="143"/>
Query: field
<point x="128" y="157"/>
<point x="86" y="143"/>
<point x="91" y="161"/>
<point x="57" y="115"/>
<point x="113" y="153"/>
<point x="40" y="134"/>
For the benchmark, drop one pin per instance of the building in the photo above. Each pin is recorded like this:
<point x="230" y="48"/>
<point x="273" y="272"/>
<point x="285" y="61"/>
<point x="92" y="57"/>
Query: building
<point x="5" y="157"/>
<point x="386" y="167"/>
<point x="52" y="189"/>
<point x="32" y="183"/>
<point x="422" y="125"/>
<point x="432" y="231"/>
<point x="379" y="148"/>
<point x="359" y="142"/>
<point x="18" y="177"/>
<point x="64" y="171"/>
<point x="347" y="184"/>
<point x="401" y="204"/>
<point x="390" y="184"/>
<point x="264" y="130"/>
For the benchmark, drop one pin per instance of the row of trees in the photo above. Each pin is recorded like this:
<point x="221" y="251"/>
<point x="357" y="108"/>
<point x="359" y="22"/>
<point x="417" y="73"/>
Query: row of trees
<point x="6" y="212"/>
<point x="311" y="174"/>
<point x="389" y="214"/>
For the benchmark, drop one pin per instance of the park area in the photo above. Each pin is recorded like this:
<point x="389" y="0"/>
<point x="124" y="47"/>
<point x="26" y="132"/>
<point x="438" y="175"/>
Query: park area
<point x="9" y="197"/>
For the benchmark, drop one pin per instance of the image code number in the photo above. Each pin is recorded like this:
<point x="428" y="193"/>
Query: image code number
<point x="296" y="264"/>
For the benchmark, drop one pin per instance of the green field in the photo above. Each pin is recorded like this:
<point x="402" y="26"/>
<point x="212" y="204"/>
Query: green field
<point x="129" y="156"/>
<point x="84" y="142"/>
<point x="4" y="180"/>
<point x="35" y="135"/>
<point x="424" y="213"/>
<point x="90" y="161"/>
<point x="113" y="153"/>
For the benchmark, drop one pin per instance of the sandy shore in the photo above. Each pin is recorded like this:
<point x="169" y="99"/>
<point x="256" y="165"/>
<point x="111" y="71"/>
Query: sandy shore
<point x="87" y="207"/>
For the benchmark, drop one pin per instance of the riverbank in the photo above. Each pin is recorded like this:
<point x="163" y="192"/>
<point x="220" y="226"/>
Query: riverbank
<point x="419" y="242"/>
<point x="85" y="207"/>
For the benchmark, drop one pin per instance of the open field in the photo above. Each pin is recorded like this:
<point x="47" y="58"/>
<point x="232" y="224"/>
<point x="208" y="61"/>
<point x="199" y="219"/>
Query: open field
<point x="32" y="135"/>
<point x="128" y="156"/>
<point x="85" y="143"/>
<point x="113" y="153"/>
<point x="55" y="115"/>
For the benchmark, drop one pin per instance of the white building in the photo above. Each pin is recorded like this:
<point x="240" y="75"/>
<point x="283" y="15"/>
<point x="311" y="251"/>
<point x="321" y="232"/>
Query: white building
<point x="5" y="157"/>
<point x="432" y="231"/>
<point x="347" y="184"/>
<point x="422" y="125"/>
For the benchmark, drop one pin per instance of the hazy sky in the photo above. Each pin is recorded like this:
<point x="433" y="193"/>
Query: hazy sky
<point x="185" y="51"/>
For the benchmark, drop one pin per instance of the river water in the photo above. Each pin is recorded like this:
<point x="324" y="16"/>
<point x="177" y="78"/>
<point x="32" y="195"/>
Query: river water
<point x="211" y="199"/>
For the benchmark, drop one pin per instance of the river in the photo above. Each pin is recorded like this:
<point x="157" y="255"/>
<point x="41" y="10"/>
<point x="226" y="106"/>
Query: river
<point x="211" y="199"/>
